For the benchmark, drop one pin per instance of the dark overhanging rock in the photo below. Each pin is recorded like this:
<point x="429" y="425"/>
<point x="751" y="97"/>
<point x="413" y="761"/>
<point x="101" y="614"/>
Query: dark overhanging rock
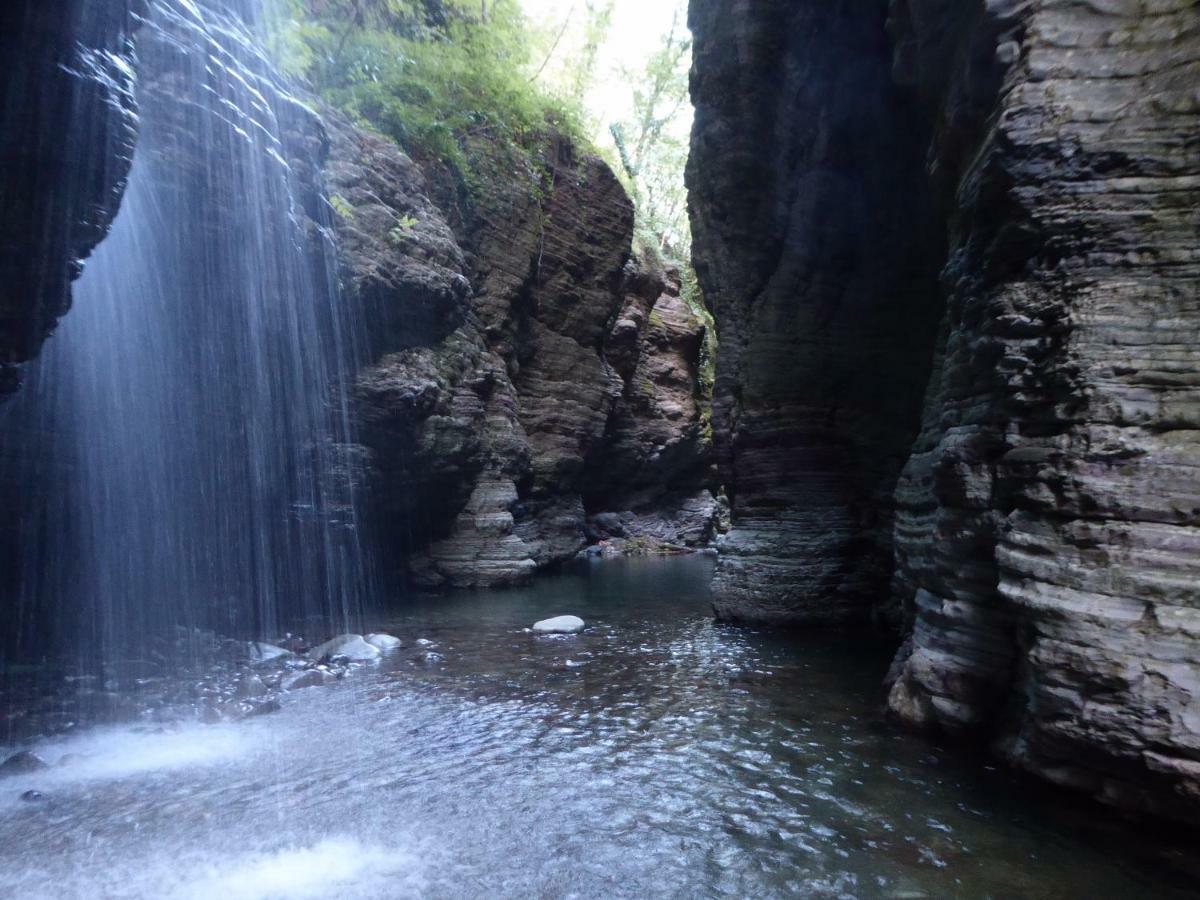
<point x="69" y="126"/>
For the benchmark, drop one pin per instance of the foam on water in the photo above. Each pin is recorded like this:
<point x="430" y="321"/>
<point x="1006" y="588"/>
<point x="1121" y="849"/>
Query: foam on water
<point x="334" y="867"/>
<point x="112" y="753"/>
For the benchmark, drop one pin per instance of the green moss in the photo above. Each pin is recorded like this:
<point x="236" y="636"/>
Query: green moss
<point x="693" y="295"/>
<point x="341" y="206"/>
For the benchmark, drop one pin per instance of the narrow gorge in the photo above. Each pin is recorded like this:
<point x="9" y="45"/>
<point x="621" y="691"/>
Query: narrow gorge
<point x="456" y="448"/>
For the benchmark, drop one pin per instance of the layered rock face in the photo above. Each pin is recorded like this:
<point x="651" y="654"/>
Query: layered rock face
<point x="492" y="406"/>
<point x="1046" y="523"/>
<point x="649" y="486"/>
<point x="69" y="126"/>
<point x="1049" y="529"/>
<point x="818" y="249"/>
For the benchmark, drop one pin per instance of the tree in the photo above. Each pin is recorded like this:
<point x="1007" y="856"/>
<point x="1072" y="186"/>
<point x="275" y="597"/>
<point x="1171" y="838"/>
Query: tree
<point x="652" y="142"/>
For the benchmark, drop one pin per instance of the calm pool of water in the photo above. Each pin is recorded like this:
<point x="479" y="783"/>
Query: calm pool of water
<point x="656" y="754"/>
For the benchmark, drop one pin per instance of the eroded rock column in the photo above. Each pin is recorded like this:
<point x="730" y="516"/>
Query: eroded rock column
<point x="817" y="247"/>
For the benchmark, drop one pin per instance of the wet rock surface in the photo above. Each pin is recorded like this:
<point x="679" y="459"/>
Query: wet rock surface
<point x="1048" y="529"/>
<point x="22" y="764"/>
<point x="69" y="123"/>
<point x="1045" y="524"/>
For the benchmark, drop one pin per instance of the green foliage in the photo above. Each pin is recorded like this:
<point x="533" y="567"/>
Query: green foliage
<point x="432" y="74"/>
<point x="694" y="297"/>
<point x="341" y="206"/>
<point x="651" y="146"/>
<point x="402" y="230"/>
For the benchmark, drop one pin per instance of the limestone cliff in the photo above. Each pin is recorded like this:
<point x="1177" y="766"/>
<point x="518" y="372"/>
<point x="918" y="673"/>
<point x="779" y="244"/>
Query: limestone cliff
<point x="1045" y="523"/>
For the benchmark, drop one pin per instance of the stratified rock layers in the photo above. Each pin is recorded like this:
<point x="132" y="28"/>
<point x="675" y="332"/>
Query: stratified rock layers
<point x="491" y="407"/>
<point x="1047" y="534"/>
<point x="1046" y="523"/>
<point x="818" y="251"/>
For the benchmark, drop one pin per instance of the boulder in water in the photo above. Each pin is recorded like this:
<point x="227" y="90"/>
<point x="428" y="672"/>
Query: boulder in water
<point x="33" y="796"/>
<point x="261" y="708"/>
<point x="251" y="686"/>
<point x="264" y="653"/>
<point x="559" y="625"/>
<point x="22" y="763"/>
<point x="303" y="679"/>
<point x="346" y="646"/>
<point x="383" y="641"/>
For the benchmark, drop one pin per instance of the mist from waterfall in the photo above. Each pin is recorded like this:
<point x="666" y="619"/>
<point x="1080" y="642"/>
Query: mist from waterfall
<point x="188" y="452"/>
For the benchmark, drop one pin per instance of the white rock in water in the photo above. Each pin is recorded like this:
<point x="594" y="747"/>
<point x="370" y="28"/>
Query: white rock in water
<point x="349" y="646"/>
<point x="383" y="641"/>
<point x="262" y="653"/>
<point x="559" y="625"/>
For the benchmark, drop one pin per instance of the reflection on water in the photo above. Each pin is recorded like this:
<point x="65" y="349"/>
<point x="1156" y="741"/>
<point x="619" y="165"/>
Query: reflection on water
<point x="656" y="754"/>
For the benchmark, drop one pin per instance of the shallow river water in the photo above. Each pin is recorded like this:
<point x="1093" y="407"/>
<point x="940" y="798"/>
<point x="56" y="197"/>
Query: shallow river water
<point x="656" y="754"/>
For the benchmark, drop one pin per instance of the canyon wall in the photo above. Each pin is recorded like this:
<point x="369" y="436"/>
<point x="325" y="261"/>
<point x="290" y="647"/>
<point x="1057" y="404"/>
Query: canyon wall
<point x="817" y="248"/>
<point x="1045" y="527"/>
<point x="527" y="375"/>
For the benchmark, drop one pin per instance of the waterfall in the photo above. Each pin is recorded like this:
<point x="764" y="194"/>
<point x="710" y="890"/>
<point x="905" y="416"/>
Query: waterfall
<point x="186" y="438"/>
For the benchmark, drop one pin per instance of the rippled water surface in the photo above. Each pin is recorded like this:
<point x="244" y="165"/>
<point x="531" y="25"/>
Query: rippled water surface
<point x="656" y="754"/>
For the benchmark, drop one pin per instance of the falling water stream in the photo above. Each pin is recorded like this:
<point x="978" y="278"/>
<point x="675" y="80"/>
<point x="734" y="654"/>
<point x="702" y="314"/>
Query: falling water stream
<point x="193" y="465"/>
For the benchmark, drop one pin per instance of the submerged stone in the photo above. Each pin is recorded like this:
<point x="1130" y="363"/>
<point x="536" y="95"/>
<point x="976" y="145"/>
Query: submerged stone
<point x="559" y="625"/>
<point x="303" y="679"/>
<point x="251" y="686"/>
<point x="347" y="646"/>
<point x="262" y="708"/>
<point x="22" y="763"/>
